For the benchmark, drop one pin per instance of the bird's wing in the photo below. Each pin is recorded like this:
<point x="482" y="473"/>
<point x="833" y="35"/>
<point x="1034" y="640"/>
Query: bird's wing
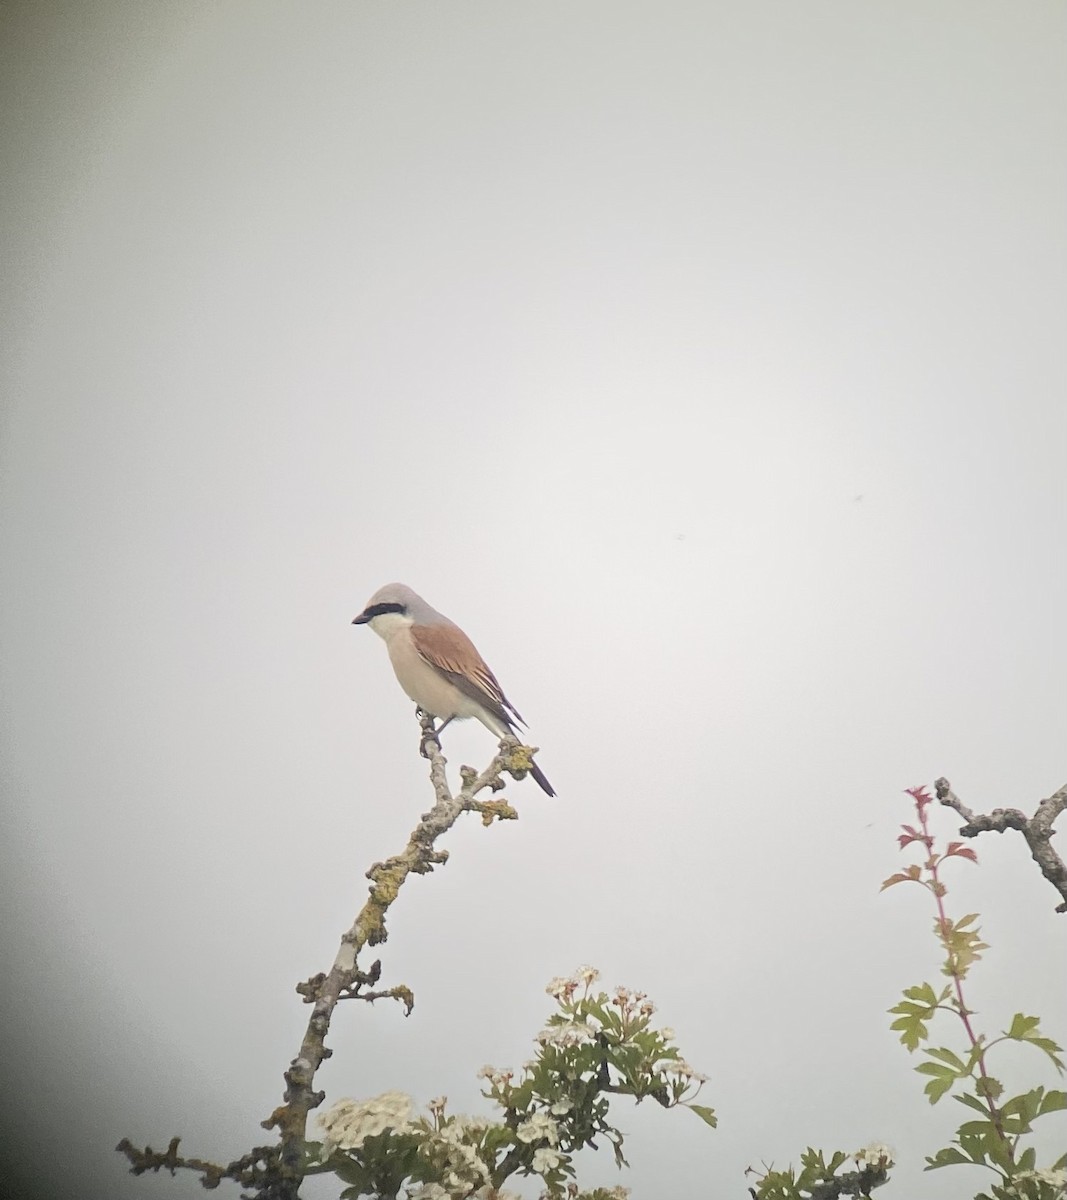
<point x="448" y="649"/>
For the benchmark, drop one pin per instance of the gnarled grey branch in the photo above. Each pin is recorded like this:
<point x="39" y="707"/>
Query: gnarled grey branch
<point x="1037" y="830"/>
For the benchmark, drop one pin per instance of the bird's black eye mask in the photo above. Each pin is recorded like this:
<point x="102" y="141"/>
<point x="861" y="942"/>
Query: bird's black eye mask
<point x="377" y="610"/>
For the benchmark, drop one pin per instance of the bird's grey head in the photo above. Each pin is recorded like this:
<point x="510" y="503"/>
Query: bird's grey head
<point x="394" y="605"/>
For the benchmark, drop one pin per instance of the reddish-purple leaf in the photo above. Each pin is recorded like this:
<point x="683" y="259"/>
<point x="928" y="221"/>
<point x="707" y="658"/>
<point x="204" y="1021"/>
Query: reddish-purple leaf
<point x="959" y="850"/>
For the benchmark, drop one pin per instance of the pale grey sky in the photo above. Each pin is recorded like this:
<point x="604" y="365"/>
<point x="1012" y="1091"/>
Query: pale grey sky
<point x="706" y="362"/>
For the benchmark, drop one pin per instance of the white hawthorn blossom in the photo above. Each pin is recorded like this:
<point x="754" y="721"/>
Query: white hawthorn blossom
<point x="874" y="1155"/>
<point x="566" y="1035"/>
<point x="539" y="1127"/>
<point x="348" y="1123"/>
<point x="1055" y="1179"/>
<point x="496" y="1076"/>
<point x="561" y="988"/>
<point x="462" y="1126"/>
<point x="429" y="1191"/>
<point x="678" y="1066"/>
<point x="545" y="1159"/>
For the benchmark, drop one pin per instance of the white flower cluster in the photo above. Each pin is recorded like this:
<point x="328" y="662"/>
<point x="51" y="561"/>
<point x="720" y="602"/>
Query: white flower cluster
<point x="631" y="1003"/>
<point x="539" y="1127"/>
<point x="348" y="1123"/>
<point x="461" y="1126"/>
<point x="1057" y="1180"/>
<point x="458" y="1159"/>
<point x="452" y="1148"/>
<point x="495" y="1076"/>
<point x="434" y="1191"/>
<point x="564" y="987"/>
<point x="875" y="1155"/>
<point x="565" y="1035"/>
<point x="678" y="1066"/>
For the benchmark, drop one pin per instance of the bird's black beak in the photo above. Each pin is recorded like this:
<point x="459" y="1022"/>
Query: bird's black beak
<point x="362" y="619"/>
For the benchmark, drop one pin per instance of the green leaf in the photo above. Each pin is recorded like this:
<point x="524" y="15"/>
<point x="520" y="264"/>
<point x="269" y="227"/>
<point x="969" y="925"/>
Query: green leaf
<point x="988" y="1087"/>
<point x="836" y="1161"/>
<point x="1023" y="1107"/>
<point x="915" y="1010"/>
<point x="949" y="1157"/>
<point x="953" y="1060"/>
<point x="911" y="874"/>
<point x="1053" y="1102"/>
<point x="936" y="1088"/>
<point x="999" y="1152"/>
<point x="942" y="1081"/>
<point x="963" y="946"/>
<point x="976" y="1130"/>
<point x="1025" y="1029"/>
<point x="707" y="1115"/>
<point x="972" y="1102"/>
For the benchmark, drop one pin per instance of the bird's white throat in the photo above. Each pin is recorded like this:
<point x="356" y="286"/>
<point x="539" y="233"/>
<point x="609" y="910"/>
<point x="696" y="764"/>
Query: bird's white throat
<point x="387" y="625"/>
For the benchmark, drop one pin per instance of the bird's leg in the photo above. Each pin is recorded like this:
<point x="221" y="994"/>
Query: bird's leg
<point x="435" y="734"/>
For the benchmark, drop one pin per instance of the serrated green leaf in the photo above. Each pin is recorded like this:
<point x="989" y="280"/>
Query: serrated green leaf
<point x="1024" y="1106"/>
<point x="938" y="1070"/>
<point x="999" y="1152"/>
<point x="988" y="1087"/>
<point x="976" y="1147"/>
<point x="953" y="1060"/>
<point x="707" y="1115"/>
<point x="949" y="1157"/>
<point x="936" y="1088"/>
<point x="963" y="946"/>
<point x="976" y="1129"/>
<point x="924" y="993"/>
<point x="1053" y="1101"/>
<point x="1025" y="1029"/>
<point x="1022" y="1026"/>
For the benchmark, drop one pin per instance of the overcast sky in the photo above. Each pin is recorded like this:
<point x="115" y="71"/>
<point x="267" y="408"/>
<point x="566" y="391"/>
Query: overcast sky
<point x="706" y="362"/>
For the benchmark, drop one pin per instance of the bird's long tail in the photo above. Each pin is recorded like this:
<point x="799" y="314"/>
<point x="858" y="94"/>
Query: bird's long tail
<point x="542" y="782"/>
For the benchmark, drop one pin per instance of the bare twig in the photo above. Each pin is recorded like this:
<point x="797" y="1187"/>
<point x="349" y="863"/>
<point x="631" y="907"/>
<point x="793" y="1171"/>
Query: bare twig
<point x="253" y="1169"/>
<point x="278" y="1171"/>
<point x="418" y="857"/>
<point x="1037" y="830"/>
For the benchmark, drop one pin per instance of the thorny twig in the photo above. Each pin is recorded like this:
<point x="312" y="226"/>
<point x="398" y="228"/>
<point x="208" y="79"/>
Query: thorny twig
<point x="1037" y="830"/>
<point x="277" y="1172"/>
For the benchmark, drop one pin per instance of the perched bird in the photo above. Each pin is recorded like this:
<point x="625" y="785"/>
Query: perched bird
<point x="438" y="665"/>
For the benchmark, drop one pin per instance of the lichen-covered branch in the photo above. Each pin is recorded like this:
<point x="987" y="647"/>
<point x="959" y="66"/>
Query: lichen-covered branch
<point x="1037" y="830"/>
<point x="277" y="1172"/>
<point x="254" y="1168"/>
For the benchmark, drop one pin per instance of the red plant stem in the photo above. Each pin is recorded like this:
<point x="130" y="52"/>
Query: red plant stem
<point x="963" y="1011"/>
